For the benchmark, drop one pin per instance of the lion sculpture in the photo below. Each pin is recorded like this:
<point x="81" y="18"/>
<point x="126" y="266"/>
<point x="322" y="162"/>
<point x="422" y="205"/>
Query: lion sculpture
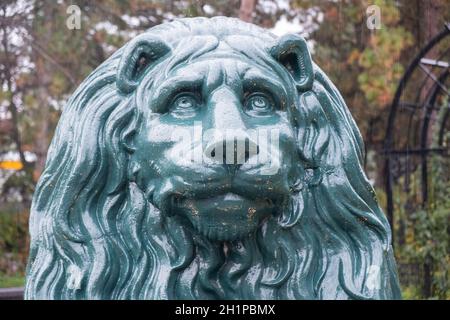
<point x="126" y="210"/>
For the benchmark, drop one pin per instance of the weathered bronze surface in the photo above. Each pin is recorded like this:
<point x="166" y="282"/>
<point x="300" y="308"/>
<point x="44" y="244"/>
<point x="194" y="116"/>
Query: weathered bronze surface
<point x="208" y="159"/>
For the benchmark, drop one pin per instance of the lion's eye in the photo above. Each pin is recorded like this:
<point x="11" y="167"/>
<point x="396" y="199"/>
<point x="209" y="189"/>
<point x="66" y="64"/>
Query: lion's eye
<point x="259" y="104"/>
<point x="184" y="105"/>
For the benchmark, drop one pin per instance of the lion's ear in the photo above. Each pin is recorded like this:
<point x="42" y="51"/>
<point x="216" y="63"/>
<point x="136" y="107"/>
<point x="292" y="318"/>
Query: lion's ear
<point x="292" y="52"/>
<point x="139" y="54"/>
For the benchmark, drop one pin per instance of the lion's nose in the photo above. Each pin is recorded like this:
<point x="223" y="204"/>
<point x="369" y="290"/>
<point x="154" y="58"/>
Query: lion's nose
<point x="233" y="150"/>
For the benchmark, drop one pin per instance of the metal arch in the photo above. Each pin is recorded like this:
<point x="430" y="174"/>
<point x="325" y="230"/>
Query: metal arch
<point x="396" y="104"/>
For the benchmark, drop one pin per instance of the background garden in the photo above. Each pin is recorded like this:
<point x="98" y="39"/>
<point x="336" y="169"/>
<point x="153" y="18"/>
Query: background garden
<point x="48" y="47"/>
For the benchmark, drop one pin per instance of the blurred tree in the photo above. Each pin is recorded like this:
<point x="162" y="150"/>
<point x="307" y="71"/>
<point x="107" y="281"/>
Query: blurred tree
<point x="42" y="61"/>
<point x="10" y="55"/>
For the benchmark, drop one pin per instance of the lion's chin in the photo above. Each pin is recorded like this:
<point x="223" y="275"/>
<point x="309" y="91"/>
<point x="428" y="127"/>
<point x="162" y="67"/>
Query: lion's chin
<point x="226" y="217"/>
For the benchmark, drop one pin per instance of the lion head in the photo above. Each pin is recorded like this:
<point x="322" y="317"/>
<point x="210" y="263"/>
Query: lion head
<point x="208" y="159"/>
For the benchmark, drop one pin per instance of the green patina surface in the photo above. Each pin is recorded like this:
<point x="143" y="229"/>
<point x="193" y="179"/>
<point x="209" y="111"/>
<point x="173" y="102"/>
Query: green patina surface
<point x="208" y="159"/>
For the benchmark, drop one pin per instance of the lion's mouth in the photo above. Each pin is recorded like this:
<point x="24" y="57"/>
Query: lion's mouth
<point x="224" y="217"/>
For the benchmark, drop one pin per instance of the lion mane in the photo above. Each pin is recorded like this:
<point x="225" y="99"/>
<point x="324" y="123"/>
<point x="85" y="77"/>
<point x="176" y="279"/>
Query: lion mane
<point x="94" y="235"/>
